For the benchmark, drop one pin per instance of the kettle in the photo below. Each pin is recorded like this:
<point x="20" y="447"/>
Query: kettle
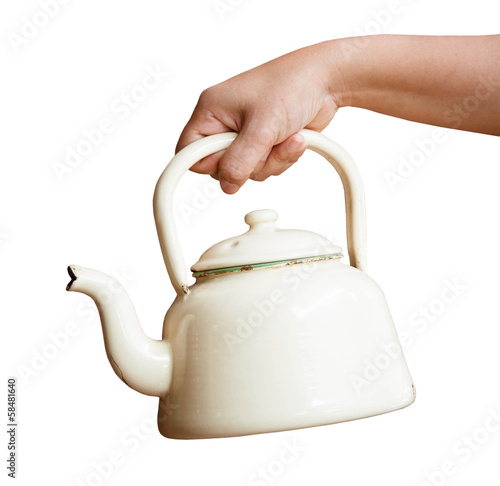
<point x="275" y="333"/>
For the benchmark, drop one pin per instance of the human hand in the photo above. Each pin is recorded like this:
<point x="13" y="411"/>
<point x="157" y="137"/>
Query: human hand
<point x="267" y="105"/>
<point x="403" y="76"/>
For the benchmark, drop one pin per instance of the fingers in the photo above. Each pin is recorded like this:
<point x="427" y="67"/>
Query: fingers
<point x="208" y="165"/>
<point x="245" y="155"/>
<point x="258" y="152"/>
<point x="201" y="124"/>
<point x="281" y="157"/>
<point x="274" y="161"/>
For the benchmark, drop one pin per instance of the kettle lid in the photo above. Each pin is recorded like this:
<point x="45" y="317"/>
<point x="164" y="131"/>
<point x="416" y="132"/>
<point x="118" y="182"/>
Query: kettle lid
<point x="263" y="244"/>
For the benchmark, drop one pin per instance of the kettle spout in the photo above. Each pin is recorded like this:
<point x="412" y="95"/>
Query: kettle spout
<point x="142" y="363"/>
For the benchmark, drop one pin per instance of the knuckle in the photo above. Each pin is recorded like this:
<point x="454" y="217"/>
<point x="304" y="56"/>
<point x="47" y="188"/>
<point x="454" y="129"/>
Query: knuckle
<point x="205" y="96"/>
<point x="265" y="135"/>
<point x="246" y="152"/>
<point x="234" y="171"/>
<point x="280" y="156"/>
<point x="262" y="131"/>
<point x="233" y="175"/>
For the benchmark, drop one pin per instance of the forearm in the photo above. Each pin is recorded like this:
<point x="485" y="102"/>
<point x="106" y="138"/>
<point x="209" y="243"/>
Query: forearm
<point x="447" y="81"/>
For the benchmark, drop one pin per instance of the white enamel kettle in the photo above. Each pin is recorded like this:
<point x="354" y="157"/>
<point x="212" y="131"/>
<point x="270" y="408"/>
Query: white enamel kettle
<point x="275" y="332"/>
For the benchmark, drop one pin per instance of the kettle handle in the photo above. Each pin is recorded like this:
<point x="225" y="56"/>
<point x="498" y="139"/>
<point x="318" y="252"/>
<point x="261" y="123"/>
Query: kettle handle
<point x="188" y="156"/>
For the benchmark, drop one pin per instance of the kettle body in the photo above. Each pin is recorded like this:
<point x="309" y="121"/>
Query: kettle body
<point x="275" y="334"/>
<point x="290" y="354"/>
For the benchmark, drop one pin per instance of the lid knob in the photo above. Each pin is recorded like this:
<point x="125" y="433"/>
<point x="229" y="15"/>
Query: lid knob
<point x="261" y="219"/>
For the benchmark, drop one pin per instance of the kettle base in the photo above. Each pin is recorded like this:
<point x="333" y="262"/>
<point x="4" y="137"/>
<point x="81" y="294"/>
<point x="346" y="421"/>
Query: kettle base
<point x="172" y="429"/>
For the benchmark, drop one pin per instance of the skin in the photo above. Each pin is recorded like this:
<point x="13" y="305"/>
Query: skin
<point x="452" y="82"/>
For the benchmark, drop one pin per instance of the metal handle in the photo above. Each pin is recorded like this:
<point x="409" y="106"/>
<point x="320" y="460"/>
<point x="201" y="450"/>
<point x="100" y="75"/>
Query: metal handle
<point x="188" y="156"/>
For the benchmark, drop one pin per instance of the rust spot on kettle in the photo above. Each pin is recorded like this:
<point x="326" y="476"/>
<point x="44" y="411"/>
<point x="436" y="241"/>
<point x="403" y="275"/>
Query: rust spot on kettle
<point x="309" y="260"/>
<point x="117" y="369"/>
<point x="276" y="265"/>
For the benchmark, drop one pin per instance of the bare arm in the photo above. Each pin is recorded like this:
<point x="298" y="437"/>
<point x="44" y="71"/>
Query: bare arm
<point x="447" y="81"/>
<point x="451" y="81"/>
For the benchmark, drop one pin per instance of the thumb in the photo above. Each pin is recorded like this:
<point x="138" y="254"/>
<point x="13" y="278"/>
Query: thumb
<point x="249" y="150"/>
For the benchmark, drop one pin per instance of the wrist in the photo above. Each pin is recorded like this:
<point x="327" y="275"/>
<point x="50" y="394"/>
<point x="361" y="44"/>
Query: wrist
<point x="339" y="73"/>
<point x="349" y="81"/>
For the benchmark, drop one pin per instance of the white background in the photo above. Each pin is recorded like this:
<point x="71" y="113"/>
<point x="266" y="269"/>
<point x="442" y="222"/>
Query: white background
<point x="440" y="223"/>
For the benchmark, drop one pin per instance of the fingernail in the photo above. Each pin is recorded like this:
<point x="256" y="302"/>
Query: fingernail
<point x="229" y="188"/>
<point x="295" y="142"/>
<point x="266" y="155"/>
